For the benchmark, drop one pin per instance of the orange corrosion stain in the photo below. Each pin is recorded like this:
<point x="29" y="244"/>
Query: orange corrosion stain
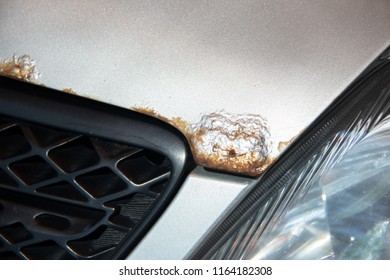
<point x="20" y="67"/>
<point x="232" y="160"/>
<point x="69" y="90"/>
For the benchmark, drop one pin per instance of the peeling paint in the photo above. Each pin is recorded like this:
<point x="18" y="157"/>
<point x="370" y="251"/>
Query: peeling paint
<point x="20" y="67"/>
<point x="177" y="122"/>
<point x="72" y="92"/>
<point x="238" y="143"/>
<point x="284" y="144"/>
<point x="69" y="90"/>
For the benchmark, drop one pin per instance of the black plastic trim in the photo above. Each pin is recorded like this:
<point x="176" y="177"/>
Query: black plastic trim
<point x="52" y="108"/>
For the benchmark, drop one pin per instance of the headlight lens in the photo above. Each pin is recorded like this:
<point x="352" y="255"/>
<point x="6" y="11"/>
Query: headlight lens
<point x="341" y="212"/>
<point x="329" y="195"/>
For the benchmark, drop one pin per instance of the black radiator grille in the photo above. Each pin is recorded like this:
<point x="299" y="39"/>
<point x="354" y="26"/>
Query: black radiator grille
<point x="71" y="196"/>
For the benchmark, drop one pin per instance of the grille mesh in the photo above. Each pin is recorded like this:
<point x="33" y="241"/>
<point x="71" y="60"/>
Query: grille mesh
<point x="71" y="196"/>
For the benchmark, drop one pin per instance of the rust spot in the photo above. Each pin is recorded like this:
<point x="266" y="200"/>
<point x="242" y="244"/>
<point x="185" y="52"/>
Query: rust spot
<point x="20" y="67"/>
<point x="224" y="141"/>
<point x="150" y="112"/>
<point x="284" y="144"/>
<point x="233" y="164"/>
<point x="69" y="90"/>
<point x="232" y="153"/>
<point x="180" y="124"/>
<point x="177" y="122"/>
<point x="237" y="143"/>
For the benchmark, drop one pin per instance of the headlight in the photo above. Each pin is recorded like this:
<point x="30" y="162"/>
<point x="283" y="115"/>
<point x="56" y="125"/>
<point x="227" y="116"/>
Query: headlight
<point x="328" y="196"/>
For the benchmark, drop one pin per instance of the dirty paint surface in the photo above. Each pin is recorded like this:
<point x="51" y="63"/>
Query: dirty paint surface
<point x="20" y="67"/>
<point x="238" y="143"/>
<point x="184" y="59"/>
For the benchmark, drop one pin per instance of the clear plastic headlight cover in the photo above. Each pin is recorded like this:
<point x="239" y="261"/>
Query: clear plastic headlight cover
<point x="328" y="196"/>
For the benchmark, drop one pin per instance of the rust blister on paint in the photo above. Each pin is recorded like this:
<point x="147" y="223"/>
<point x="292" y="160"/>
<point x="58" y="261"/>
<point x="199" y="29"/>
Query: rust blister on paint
<point x="20" y="67"/>
<point x="69" y="90"/>
<point x="177" y="122"/>
<point x="238" y="143"/>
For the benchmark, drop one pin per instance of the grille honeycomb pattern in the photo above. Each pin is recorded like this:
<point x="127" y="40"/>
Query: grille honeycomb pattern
<point x="71" y="196"/>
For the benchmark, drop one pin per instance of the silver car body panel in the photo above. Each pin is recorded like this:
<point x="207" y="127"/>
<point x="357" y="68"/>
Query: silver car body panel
<point x="285" y="61"/>
<point x="201" y="202"/>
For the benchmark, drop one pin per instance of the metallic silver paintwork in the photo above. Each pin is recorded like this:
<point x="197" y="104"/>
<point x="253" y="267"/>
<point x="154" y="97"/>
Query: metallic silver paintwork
<point x="203" y="199"/>
<point x="285" y="60"/>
